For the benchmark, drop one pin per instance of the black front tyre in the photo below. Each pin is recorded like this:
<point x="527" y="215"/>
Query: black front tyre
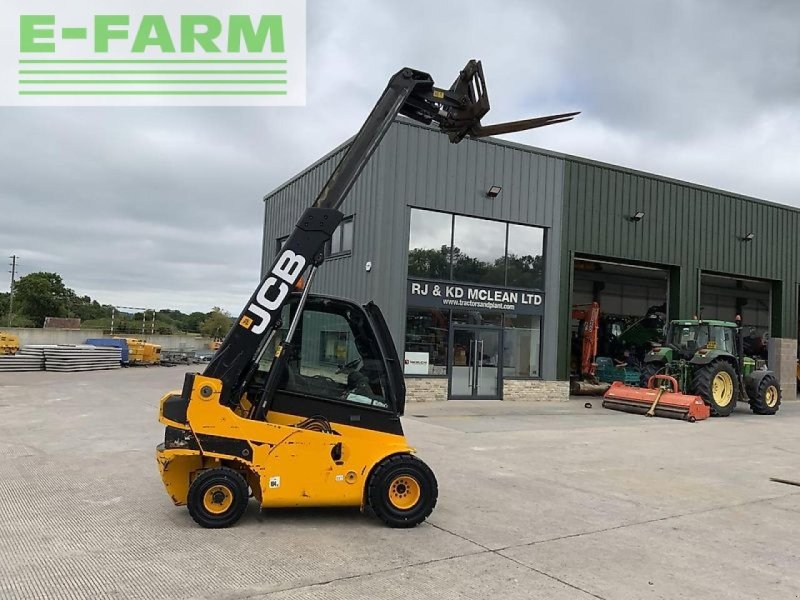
<point x="650" y="369"/>
<point x="718" y="385"/>
<point x="217" y="497"/>
<point x="767" y="399"/>
<point x="402" y="491"/>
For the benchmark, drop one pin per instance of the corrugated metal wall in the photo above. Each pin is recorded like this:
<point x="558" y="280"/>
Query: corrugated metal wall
<point x="417" y="166"/>
<point x="342" y="276"/>
<point x="689" y="227"/>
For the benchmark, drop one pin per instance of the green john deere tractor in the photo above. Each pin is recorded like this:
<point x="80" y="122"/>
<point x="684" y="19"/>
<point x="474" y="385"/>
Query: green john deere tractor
<point x="707" y="358"/>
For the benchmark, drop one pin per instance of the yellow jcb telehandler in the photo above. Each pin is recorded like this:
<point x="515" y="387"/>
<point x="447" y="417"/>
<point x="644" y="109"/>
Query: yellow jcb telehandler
<point x="301" y="403"/>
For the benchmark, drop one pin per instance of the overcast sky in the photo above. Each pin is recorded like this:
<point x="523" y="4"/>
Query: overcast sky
<point x="162" y="207"/>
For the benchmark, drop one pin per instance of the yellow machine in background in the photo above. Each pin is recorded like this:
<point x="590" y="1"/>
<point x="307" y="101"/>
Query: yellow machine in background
<point x="141" y="352"/>
<point x="135" y="350"/>
<point x="152" y="353"/>
<point x="9" y="344"/>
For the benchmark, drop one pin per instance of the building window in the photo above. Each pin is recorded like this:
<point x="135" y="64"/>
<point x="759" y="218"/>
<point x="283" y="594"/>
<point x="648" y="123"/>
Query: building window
<point x="479" y="251"/>
<point x="430" y="240"/>
<point x="521" y="346"/>
<point x="279" y="244"/>
<point x="525" y="257"/>
<point x="427" y="333"/>
<point x="471" y="250"/>
<point x="477" y="317"/>
<point x="341" y="243"/>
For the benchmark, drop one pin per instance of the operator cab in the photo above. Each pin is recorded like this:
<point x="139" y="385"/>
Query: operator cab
<point x="341" y="364"/>
<point x="689" y="337"/>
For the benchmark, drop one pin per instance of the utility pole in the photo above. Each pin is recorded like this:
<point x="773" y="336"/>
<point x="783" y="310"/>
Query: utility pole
<point x="13" y="258"/>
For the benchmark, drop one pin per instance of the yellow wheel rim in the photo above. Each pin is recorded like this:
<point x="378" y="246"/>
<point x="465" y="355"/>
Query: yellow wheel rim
<point x="217" y="499"/>
<point x="771" y="396"/>
<point x="722" y="389"/>
<point x="404" y="492"/>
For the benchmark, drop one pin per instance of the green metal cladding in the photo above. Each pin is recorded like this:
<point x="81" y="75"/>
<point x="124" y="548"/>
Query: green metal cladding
<point x="584" y="205"/>
<point x="688" y="228"/>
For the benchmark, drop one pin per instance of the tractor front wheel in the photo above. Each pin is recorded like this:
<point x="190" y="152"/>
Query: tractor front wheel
<point x="718" y="385"/>
<point x="767" y="398"/>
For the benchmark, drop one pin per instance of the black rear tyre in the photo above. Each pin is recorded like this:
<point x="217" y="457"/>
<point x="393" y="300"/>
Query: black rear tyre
<point x="718" y="385"/>
<point x="650" y="369"/>
<point x="767" y="398"/>
<point x="402" y="491"/>
<point x="217" y="498"/>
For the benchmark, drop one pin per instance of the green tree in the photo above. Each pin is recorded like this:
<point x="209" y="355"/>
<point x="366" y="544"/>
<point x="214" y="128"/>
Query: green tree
<point x="17" y="320"/>
<point x="41" y="295"/>
<point x="526" y="271"/>
<point x="216" y="324"/>
<point x="194" y="321"/>
<point x="428" y="262"/>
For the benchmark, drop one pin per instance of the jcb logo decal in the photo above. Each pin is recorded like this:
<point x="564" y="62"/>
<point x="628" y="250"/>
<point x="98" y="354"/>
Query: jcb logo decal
<point x="273" y="291"/>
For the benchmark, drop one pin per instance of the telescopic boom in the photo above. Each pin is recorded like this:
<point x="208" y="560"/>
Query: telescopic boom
<point x="456" y="111"/>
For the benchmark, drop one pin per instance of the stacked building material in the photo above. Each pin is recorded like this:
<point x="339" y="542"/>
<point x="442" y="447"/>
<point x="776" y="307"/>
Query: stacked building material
<point x="115" y="342"/>
<point x="81" y="358"/>
<point x="66" y="358"/>
<point x="21" y="362"/>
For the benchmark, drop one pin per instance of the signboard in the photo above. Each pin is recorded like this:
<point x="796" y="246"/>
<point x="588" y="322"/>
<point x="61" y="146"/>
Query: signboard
<point x="61" y="323"/>
<point x="416" y="363"/>
<point x="445" y="295"/>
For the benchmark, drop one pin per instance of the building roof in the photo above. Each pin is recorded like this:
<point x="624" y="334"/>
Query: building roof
<point x="544" y="152"/>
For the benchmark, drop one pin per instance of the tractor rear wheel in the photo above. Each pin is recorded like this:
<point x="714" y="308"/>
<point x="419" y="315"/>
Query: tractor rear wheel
<point x="767" y="398"/>
<point x="718" y="385"/>
<point x="402" y="491"/>
<point x="650" y="369"/>
<point x="217" y="497"/>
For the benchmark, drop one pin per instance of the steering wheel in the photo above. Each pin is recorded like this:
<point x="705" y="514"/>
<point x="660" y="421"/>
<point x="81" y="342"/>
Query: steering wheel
<point x="324" y="379"/>
<point x="348" y="367"/>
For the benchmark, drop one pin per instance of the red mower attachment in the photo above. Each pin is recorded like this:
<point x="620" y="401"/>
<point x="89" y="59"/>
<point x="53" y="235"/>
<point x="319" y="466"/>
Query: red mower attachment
<point x="661" y="398"/>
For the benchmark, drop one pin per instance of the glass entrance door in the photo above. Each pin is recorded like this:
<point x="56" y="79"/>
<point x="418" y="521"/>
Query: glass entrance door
<point x="475" y="363"/>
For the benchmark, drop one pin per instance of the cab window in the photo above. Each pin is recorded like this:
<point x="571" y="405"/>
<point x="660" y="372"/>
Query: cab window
<point x="335" y="356"/>
<point x="723" y="338"/>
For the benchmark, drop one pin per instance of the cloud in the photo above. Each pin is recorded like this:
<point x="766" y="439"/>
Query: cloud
<point x="162" y="207"/>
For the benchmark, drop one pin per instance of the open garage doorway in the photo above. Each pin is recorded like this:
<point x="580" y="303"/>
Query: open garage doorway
<point x="631" y="313"/>
<point x="723" y="298"/>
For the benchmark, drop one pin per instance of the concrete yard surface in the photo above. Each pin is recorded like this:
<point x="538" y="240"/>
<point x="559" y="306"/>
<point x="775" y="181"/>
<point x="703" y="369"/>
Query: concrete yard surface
<point x="537" y="500"/>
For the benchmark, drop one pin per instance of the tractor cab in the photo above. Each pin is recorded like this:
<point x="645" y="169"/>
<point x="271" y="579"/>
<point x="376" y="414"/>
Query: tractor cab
<point x="687" y="338"/>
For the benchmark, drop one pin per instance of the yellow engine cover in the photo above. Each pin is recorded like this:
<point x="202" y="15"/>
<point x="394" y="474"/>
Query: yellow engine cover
<point x="286" y="465"/>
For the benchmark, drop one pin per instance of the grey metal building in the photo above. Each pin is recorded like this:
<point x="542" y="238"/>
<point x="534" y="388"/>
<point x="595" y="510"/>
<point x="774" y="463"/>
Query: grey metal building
<point x="482" y="248"/>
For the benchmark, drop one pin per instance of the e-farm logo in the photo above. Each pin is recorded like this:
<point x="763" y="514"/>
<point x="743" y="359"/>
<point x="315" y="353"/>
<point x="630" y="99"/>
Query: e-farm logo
<point x="241" y="52"/>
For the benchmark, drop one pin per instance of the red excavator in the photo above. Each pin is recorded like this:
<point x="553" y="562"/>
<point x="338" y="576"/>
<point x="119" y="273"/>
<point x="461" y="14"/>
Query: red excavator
<point x="586" y="382"/>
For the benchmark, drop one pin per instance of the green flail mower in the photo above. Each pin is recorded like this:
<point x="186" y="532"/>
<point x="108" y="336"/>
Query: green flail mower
<point x="707" y="360"/>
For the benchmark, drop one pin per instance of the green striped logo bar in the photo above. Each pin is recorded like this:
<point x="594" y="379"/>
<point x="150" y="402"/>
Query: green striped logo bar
<point x="250" y="53"/>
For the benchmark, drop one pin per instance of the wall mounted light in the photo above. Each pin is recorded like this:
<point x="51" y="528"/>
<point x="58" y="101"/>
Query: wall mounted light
<point x="749" y="237"/>
<point x="636" y="217"/>
<point x="494" y="191"/>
